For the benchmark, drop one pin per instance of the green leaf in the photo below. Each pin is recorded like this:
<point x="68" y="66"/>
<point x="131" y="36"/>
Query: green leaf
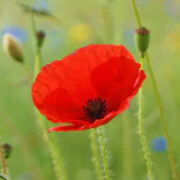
<point x="2" y="177"/>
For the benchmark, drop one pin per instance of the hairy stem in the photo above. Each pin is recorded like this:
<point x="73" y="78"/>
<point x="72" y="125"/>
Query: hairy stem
<point x="159" y="102"/>
<point x="141" y="132"/>
<point x="103" y="153"/>
<point x="24" y="147"/>
<point x="95" y="152"/>
<point x="3" y="161"/>
<point x="138" y="18"/>
<point x="163" y="121"/>
<point x="54" y="152"/>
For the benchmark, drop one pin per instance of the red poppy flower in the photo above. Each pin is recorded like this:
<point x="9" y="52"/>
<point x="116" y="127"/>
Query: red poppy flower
<point x="87" y="88"/>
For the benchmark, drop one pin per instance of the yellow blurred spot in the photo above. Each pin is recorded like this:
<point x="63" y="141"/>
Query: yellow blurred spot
<point x="173" y="40"/>
<point x="80" y="32"/>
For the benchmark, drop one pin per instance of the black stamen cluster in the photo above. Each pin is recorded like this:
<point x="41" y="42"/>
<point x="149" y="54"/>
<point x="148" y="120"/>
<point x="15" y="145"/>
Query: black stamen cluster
<point x="95" y="108"/>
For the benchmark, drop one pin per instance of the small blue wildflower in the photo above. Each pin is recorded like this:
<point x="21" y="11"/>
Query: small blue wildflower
<point x="18" y="33"/>
<point x="141" y="2"/>
<point x="55" y="38"/>
<point x="159" y="144"/>
<point x="172" y="8"/>
<point x="41" y="4"/>
<point x="128" y="37"/>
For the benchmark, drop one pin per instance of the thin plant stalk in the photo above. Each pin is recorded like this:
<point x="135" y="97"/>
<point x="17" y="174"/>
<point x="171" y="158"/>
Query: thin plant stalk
<point x="138" y="18"/>
<point x="3" y="162"/>
<point x="163" y="121"/>
<point x="29" y="159"/>
<point x="54" y="152"/>
<point x="141" y="131"/>
<point x="104" y="153"/>
<point x="159" y="102"/>
<point x="95" y="153"/>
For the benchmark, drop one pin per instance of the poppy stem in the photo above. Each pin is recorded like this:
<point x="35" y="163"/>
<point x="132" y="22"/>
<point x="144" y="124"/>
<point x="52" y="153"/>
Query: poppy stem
<point x="159" y="102"/>
<point x="141" y="131"/>
<point x="103" y="153"/>
<point x="25" y="151"/>
<point x="163" y="121"/>
<point x="138" y="18"/>
<point x="3" y="161"/>
<point x="54" y="152"/>
<point x="37" y="61"/>
<point x="95" y="153"/>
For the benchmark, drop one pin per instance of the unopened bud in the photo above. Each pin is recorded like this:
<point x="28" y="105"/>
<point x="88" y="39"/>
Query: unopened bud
<point x="142" y="38"/>
<point x="12" y="47"/>
<point x="40" y="35"/>
<point x="7" y="150"/>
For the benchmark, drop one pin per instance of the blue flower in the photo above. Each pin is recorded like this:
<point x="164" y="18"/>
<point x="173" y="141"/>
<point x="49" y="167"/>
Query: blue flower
<point x="128" y="37"/>
<point x="18" y="33"/>
<point x="141" y="2"/>
<point x="41" y="4"/>
<point x="172" y="8"/>
<point x="159" y="144"/>
<point x="55" y="38"/>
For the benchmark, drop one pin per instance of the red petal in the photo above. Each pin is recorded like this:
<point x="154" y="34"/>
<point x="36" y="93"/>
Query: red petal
<point x="116" y="80"/>
<point x="66" y="128"/>
<point x="61" y="106"/>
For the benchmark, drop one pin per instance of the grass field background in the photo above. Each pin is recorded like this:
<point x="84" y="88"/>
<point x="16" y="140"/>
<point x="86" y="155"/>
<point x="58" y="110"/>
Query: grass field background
<point x="82" y="24"/>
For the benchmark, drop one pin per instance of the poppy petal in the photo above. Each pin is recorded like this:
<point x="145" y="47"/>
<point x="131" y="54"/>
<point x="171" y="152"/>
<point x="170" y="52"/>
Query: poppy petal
<point x="116" y="80"/>
<point x="68" y="128"/>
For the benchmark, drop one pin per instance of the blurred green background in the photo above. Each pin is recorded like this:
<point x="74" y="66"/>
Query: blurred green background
<point x="82" y="23"/>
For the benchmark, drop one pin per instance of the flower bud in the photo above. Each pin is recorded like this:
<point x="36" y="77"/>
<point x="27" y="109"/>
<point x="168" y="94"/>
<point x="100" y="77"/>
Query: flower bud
<point x="40" y="35"/>
<point x="142" y="37"/>
<point x="12" y="47"/>
<point x="7" y="150"/>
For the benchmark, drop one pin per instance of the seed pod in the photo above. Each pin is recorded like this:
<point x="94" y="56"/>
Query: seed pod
<point x="40" y="35"/>
<point x="12" y="47"/>
<point x="142" y="38"/>
<point x="7" y="150"/>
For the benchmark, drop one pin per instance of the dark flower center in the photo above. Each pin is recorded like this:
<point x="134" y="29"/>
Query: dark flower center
<point x="95" y="108"/>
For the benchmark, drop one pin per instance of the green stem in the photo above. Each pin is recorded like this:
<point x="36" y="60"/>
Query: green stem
<point x="163" y="121"/>
<point x="3" y="161"/>
<point x="24" y="147"/>
<point x="141" y="132"/>
<point x="159" y="102"/>
<point x="37" y="61"/>
<point x="138" y="18"/>
<point x="54" y="152"/>
<point x="3" y="177"/>
<point x="95" y="153"/>
<point x="103" y="153"/>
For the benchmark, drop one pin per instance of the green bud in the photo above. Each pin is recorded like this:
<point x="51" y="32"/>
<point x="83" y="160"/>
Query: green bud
<point x="142" y="38"/>
<point x="12" y="47"/>
<point x="40" y="35"/>
<point x="6" y="150"/>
